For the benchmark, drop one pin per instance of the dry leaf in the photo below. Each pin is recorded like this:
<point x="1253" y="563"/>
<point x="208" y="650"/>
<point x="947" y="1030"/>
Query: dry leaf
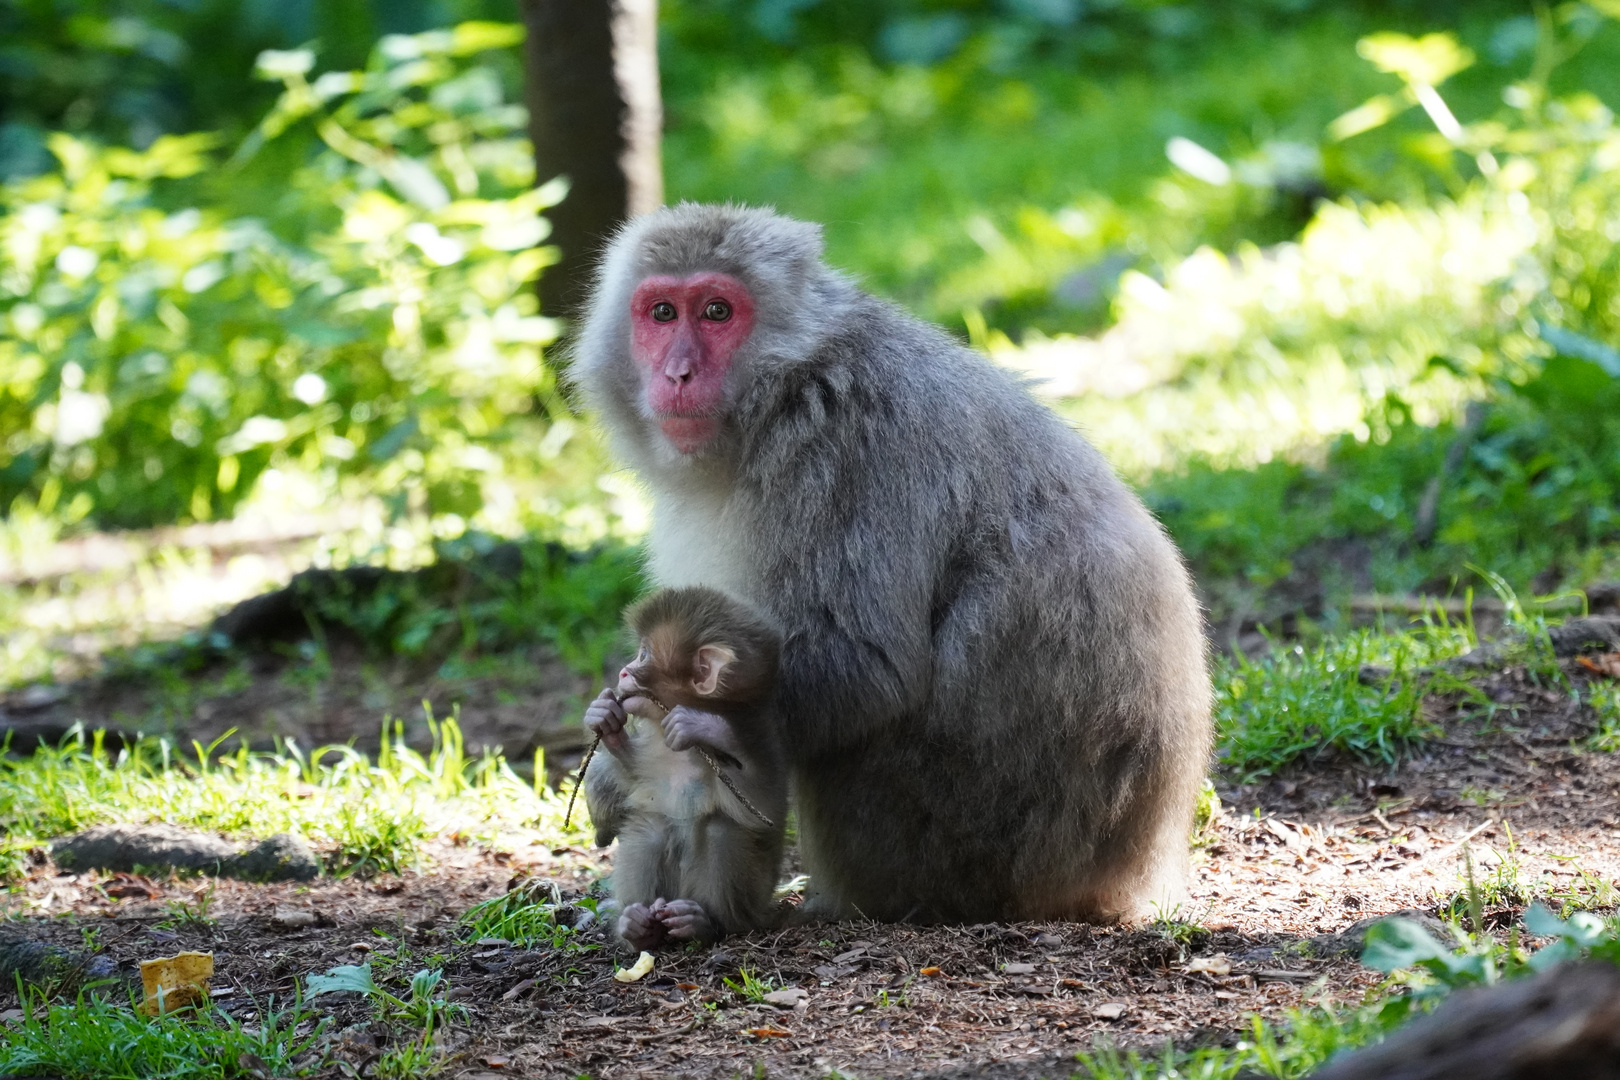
<point x="1219" y="964"/>
<point x="930" y="971"/>
<point x="175" y="982"/>
<point x="127" y="886"/>
<point x="768" y="1032"/>
<point x="637" y="971"/>
<point x="1109" y="1010"/>
<point x="1018" y="969"/>
<point x="1607" y="664"/>
<point x="496" y="1061"/>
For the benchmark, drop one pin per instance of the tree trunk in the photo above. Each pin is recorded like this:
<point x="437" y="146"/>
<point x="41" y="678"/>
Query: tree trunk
<point x="595" y="117"/>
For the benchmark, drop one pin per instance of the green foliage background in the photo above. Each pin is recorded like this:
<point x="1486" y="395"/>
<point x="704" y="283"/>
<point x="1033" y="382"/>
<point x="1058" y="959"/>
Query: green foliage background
<point x="261" y="244"/>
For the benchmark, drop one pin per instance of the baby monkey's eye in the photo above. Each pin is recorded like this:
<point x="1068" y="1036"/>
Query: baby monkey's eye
<point x="717" y="311"/>
<point x="663" y="311"/>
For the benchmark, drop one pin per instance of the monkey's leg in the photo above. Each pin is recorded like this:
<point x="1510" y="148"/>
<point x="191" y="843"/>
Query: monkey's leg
<point x="641" y="879"/>
<point x="727" y="881"/>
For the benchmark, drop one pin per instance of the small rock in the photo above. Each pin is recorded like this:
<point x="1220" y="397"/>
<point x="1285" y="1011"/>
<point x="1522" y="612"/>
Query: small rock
<point x="282" y="857"/>
<point x="1578" y="635"/>
<point x="124" y="847"/>
<point x="1018" y="969"/>
<point x="1047" y="941"/>
<point x="788" y="998"/>
<point x="1109" y="1010"/>
<point x="293" y="918"/>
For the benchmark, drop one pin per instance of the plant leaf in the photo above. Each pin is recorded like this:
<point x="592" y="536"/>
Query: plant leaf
<point x="356" y="977"/>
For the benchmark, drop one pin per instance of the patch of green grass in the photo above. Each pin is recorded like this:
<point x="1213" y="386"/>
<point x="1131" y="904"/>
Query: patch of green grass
<point x="529" y="915"/>
<point x="96" y="1039"/>
<point x="1303" y="1040"/>
<point x="1301" y="700"/>
<point x="750" y="986"/>
<point x="369" y="816"/>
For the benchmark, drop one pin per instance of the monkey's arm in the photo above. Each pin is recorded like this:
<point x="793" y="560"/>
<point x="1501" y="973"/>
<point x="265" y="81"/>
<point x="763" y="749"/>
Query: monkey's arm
<point x="685" y="728"/>
<point x="607" y="794"/>
<point x="857" y="654"/>
<point x="608" y="781"/>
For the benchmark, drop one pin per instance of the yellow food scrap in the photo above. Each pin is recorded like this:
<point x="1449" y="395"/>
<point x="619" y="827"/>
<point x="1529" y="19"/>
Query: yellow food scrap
<point x="637" y="970"/>
<point x="175" y="982"/>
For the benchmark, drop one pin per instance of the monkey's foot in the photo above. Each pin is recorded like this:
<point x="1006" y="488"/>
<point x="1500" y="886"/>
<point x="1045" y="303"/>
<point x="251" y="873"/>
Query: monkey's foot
<point x="685" y="920"/>
<point x="640" y="927"/>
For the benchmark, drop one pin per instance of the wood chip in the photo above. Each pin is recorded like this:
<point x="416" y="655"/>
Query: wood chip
<point x="520" y="988"/>
<point x="1219" y="964"/>
<point x="788" y="998"/>
<point x="1109" y="1010"/>
<point x="293" y="918"/>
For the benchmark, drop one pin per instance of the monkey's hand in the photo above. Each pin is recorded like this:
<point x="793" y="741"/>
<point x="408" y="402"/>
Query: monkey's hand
<point x="640" y="927"/>
<point x="685" y="728"/>
<point x="685" y="920"/>
<point x="605" y="718"/>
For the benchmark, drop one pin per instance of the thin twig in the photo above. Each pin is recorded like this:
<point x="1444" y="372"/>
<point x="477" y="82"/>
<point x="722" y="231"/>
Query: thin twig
<point x="580" y="779"/>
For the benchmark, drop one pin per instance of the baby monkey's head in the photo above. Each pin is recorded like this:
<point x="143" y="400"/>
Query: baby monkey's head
<point x="702" y="649"/>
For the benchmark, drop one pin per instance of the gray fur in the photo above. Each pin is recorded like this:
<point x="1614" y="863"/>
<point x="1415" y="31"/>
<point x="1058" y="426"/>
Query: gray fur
<point x="683" y="835"/>
<point x="993" y="680"/>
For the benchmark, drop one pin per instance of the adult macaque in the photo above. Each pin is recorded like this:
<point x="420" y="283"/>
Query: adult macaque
<point x="698" y="797"/>
<point x="993" y="689"/>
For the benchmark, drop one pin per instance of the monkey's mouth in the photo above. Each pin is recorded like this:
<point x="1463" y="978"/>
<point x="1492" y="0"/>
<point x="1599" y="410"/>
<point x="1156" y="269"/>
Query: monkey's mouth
<point x="689" y="434"/>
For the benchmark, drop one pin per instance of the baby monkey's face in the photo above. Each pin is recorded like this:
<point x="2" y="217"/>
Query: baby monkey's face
<point x="649" y="678"/>
<point x="671" y="673"/>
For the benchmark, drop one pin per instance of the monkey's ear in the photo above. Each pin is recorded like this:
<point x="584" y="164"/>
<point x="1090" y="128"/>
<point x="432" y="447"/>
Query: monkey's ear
<point x="708" y="664"/>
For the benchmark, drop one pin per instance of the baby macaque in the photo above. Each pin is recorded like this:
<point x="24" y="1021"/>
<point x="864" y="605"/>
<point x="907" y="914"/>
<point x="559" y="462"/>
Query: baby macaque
<point x="697" y="795"/>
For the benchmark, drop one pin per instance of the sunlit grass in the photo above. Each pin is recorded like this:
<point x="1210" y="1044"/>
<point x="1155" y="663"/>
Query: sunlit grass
<point x="365" y="816"/>
<point x="96" y="1039"/>
<point x="1361" y="694"/>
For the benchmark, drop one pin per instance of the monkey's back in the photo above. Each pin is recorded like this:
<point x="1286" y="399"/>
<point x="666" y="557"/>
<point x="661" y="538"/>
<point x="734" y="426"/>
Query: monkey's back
<point x="993" y="683"/>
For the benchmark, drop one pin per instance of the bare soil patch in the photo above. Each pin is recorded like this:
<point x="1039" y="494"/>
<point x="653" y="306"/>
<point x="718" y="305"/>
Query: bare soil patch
<point x="1294" y="868"/>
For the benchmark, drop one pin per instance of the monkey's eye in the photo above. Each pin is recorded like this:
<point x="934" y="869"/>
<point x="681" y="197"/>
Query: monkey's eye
<point x="663" y="311"/>
<point x="717" y="311"/>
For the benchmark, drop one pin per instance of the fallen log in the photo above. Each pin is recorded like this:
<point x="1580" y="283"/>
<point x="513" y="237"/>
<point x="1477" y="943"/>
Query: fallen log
<point x="1561" y="1025"/>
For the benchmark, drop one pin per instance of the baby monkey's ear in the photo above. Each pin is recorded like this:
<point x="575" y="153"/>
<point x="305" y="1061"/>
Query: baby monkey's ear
<point x="709" y="663"/>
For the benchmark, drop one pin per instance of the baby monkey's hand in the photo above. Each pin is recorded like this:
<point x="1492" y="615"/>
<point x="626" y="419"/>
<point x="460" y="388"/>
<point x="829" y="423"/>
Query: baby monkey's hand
<point x="605" y="717"/>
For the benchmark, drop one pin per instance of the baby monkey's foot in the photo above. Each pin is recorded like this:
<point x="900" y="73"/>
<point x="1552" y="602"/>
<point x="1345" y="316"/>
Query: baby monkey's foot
<point x="640" y="928"/>
<point x="685" y="920"/>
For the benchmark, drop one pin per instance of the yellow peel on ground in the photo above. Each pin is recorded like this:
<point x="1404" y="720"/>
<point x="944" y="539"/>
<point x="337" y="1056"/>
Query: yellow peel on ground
<point x="633" y="973"/>
<point x="174" y="982"/>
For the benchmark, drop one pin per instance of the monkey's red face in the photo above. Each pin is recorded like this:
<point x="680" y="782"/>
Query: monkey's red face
<point x="685" y="332"/>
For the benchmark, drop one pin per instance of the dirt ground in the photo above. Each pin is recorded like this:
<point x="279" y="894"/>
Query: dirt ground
<point x="1288" y="874"/>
